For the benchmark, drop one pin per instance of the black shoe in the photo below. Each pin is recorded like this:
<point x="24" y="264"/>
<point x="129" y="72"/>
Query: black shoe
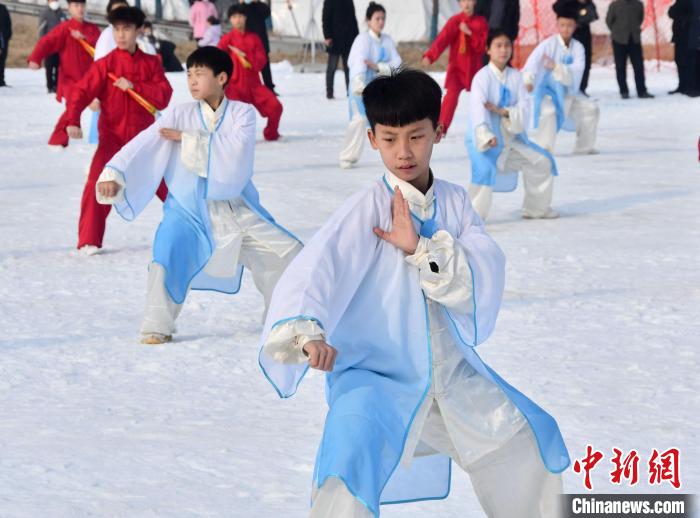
<point x="676" y="91"/>
<point x="692" y="93"/>
<point x="329" y="96"/>
<point x="625" y="95"/>
<point x="585" y="94"/>
<point x="645" y="95"/>
<point x="52" y="90"/>
<point x="3" y="83"/>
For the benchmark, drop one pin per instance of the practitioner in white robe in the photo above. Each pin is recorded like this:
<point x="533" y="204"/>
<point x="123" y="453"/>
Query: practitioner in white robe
<point x="372" y="53"/>
<point x="213" y="224"/>
<point x="497" y="141"/>
<point x="552" y="74"/>
<point x="391" y="297"/>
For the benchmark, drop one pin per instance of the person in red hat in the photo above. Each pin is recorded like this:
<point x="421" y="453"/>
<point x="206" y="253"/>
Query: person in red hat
<point x="465" y="33"/>
<point x="75" y="61"/>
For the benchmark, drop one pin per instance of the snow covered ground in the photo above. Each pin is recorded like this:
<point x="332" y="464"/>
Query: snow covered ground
<point x="599" y="322"/>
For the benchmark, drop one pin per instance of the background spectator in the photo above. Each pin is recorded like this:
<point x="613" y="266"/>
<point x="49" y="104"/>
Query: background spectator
<point x="213" y="34"/>
<point x="587" y="14"/>
<point x="199" y="12"/>
<point x="624" y="19"/>
<point x="257" y="13"/>
<point x="5" y="36"/>
<point x="339" y="30"/>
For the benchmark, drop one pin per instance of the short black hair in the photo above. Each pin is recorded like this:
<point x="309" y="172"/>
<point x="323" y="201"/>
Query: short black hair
<point x="213" y="20"/>
<point x="496" y="33"/>
<point x="566" y="9"/>
<point x="127" y="16"/>
<point x="372" y="8"/>
<point x="212" y="58"/>
<point x="112" y="3"/>
<point x="236" y="9"/>
<point x="403" y="97"/>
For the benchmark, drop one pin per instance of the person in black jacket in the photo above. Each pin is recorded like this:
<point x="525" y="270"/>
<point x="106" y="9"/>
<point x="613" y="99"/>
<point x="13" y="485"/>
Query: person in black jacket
<point x="257" y="13"/>
<point x="51" y="16"/>
<point x="502" y="15"/>
<point x="339" y="31"/>
<point x="680" y="12"/>
<point x="586" y="15"/>
<point x="694" y="51"/>
<point x="5" y="36"/>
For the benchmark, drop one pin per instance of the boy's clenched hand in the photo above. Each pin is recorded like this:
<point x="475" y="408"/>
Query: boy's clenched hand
<point x="403" y="234"/>
<point x="108" y="189"/>
<point x="171" y="134"/>
<point x="321" y="355"/>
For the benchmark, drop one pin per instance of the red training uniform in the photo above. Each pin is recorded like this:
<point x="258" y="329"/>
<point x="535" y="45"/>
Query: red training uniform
<point x="75" y="62"/>
<point x="121" y="119"/>
<point x="245" y="84"/>
<point x="466" y="58"/>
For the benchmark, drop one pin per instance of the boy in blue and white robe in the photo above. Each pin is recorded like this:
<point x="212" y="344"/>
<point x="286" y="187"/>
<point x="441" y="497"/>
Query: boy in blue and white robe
<point x="213" y="224"/>
<point x="497" y="141"/>
<point x="372" y="53"/>
<point x="553" y="73"/>
<point x="408" y="391"/>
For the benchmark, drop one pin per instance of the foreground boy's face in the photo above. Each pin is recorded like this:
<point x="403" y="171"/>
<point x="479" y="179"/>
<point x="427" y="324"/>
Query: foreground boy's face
<point x="203" y="84"/>
<point x="566" y="28"/>
<point x="406" y="150"/>
<point x="125" y="36"/>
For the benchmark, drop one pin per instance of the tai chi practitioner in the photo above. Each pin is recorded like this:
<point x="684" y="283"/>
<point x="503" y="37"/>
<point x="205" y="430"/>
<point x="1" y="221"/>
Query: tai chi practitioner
<point x="496" y="139"/>
<point x="391" y="297"/>
<point x="213" y="223"/>
<point x="553" y="74"/>
<point x="372" y="53"/>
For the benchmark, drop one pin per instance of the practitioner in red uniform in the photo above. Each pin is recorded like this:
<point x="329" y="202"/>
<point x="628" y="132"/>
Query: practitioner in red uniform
<point x="75" y="61"/>
<point x="121" y="117"/>
<point x="466" y="35"/>
<point x="249" y="58"/>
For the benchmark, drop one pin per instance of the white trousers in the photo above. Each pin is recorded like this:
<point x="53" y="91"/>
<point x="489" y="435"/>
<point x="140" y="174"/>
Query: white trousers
<point x="242" y="237"/>
<point x="354" y="140"/>
<point x="585" y="115"/>
<point x="509" y="482"/>
<point x="538" y="184"/>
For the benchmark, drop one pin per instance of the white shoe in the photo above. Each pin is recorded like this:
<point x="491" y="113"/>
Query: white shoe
<point x="587" y="152"/>
<point x="346" y="164"/>
<point x="87" y="250"/>
<point x="550" y="214"/>
<point x="155" y="338"/>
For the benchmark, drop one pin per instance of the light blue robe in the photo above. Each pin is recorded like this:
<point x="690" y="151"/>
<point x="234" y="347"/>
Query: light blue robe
<point x="184" y="242"/>
<point x="487" y="88"/>
<point x="545" y="84"/>
<point x="368" y="300"/>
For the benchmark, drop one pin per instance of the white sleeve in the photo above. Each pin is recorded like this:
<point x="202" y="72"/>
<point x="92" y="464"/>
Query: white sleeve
<point x="284" y="343"/>
<point x="394" y="57"/>
<point x="562" y="73"/>
<point x="478" y="114"/>
<point x="357" y="84"/>
<point x="533" y="65"/>
<point x="105" y="43"/>
<point x="110" y="175"/>
<point x="444" y="271"/>
<point x="356" y="59"/>
<point x="194" y="151"/>
<point x="483" y="136"/>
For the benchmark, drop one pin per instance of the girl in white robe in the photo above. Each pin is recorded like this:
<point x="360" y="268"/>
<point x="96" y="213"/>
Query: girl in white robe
<point x="372" y="53"/>
<point x="497" y="141"/>
<point x="553" y="73"/>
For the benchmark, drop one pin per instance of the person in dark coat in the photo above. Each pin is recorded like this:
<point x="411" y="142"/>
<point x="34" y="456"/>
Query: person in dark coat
<point x="505" y="15"/>
<point x="257" y="13"/>
<point x="586" y="15"/>
<point x="51" y="16"/>
<point x="5" y="36"/>
<point x="680" y="12"/>
<point x="624" y="19"/>
<point x="694" y="51"/>
<point x="339" y="30"/>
